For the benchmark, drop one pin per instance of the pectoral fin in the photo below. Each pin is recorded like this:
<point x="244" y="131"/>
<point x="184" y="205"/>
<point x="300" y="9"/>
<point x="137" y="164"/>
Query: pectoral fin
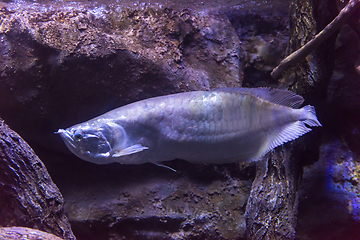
<point x="130" y="150"/>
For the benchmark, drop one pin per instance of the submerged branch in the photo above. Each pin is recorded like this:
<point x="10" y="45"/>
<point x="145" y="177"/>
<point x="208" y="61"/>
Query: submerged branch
<point x="305" y="50"/>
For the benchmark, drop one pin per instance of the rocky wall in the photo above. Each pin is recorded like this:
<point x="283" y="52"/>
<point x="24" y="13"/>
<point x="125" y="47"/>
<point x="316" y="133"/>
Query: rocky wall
<point x="66" y="62"/>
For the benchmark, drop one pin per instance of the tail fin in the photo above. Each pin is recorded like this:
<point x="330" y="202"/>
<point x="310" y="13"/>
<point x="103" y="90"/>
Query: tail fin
<point x="310" y="116"/>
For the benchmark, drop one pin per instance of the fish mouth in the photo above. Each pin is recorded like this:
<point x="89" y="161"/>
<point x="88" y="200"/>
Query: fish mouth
<point x="66" y="136"/>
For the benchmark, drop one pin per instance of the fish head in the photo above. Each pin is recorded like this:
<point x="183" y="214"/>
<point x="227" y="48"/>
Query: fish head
<point x="95" y="140"/>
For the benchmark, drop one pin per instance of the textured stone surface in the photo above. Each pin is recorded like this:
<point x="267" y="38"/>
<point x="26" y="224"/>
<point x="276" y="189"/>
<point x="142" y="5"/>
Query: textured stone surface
<point x="63" y="64"/>
<point x="329" y="205"/>
<point x="29" y="197"/>
<point x="12" y="233"/>
<point x="141" y="202"/>
<point x="263" y="37"/>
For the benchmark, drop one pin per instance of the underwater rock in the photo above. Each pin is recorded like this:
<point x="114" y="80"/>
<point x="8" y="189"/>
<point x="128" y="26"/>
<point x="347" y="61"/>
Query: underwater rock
<point x="28" y="195"/>
<point x="264" y="36"/>
<point x="12" y="233"/>
<point x="151" y="202"/>
<point x="329" y="203"/>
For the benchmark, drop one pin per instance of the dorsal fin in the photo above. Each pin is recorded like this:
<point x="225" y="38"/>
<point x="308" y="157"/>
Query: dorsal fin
<point x="277" y="96"/>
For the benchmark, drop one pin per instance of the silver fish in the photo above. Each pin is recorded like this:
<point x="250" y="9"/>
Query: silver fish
<point x="221" y="126"/>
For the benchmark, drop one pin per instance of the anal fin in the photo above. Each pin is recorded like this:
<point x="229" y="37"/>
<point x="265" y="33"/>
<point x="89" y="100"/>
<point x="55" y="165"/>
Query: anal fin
<point x="289" y="133"/>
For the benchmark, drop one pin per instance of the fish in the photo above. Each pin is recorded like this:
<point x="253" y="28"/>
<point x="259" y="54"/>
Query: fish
<point x="222" y="126"/>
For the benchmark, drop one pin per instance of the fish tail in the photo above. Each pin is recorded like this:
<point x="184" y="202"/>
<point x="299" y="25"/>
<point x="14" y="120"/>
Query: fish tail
<point x="310" y="116"/>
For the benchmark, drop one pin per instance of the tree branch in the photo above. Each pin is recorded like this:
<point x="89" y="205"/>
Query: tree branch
<point x="305" y="50"/>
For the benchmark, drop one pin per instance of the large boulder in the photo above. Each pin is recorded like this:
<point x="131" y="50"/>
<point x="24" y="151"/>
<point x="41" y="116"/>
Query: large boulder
<point x="29" y="197"/>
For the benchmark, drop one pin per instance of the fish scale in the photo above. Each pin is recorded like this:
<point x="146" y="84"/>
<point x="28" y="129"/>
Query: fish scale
<point x="226" y="125"/>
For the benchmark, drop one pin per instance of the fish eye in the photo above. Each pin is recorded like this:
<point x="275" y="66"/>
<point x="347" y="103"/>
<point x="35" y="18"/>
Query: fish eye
<point x="78" y="137"/>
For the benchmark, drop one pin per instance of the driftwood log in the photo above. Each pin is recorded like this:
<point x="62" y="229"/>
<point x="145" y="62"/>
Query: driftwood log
<point x="271" y="212"/>
<point x="29" y="197"/>
<point x="272" y="205"/>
